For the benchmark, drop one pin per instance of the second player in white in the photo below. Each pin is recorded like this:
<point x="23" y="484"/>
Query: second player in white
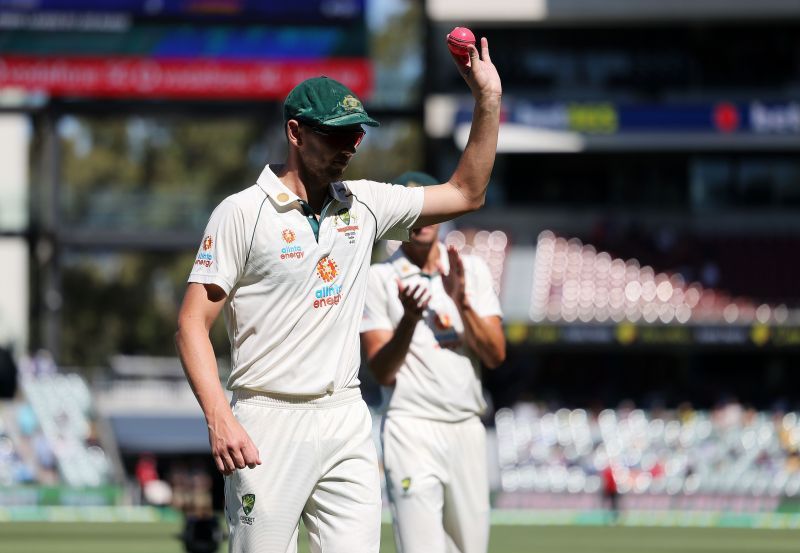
<point x="431" y="317"/>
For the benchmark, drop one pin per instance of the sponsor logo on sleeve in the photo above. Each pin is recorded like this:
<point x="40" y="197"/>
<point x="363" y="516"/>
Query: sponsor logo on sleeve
<point x="204" y="257"/>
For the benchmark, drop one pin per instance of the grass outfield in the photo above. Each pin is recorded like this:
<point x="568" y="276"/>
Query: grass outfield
<point x="43" y="537"/>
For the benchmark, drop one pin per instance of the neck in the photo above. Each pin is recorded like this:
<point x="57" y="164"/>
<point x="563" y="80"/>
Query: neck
<point x="306" y="186"/>
<point x="424" y="256"/>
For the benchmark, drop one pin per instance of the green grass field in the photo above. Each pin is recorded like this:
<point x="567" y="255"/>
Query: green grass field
<point x="34" y="537"/>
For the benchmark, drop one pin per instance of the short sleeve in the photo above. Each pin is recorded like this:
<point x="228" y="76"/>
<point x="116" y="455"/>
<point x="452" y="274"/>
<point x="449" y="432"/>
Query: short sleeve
<point x="395" y="207"/>
<point x="221" y="257"/>
<point x="376" y="307"/>
<point x="483" y="297"/>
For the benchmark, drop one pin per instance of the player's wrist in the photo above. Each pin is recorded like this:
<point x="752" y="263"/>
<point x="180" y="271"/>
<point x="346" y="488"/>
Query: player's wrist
<point x="488" y="100"/>
<point x="218" y="412"/>
<point x="411" y="318"/>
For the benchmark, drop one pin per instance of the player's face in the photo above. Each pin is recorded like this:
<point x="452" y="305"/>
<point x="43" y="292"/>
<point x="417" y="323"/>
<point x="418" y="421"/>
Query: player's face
<point x="424" y="236"/>
<point x="327" y="151"/>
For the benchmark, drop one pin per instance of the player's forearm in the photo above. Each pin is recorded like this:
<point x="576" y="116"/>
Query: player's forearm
<point x="484" y="339"/>
<point x="471" y="176"/>
<point x="388" y="360"/>
<point x="200" y="365"/>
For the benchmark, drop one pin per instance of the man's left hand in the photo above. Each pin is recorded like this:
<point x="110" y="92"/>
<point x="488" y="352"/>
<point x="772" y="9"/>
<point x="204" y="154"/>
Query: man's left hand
<point x="453" y="281"/>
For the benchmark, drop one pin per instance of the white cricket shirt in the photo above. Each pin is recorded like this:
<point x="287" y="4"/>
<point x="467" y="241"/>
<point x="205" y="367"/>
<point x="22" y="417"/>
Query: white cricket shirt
<point x="294" y="305"/>
<point x="440" y="378"/>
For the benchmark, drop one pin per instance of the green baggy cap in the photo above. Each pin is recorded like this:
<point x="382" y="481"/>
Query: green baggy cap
<point x="415" y="178"/>
<point x="326" y="102"/>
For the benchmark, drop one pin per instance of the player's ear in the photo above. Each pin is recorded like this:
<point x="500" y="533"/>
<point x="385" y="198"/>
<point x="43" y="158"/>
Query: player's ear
<point x="293" y="132"/>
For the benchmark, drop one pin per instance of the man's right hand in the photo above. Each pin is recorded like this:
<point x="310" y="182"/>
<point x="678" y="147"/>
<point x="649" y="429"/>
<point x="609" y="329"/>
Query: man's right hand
<point x="481" y="74"/>
<point x="231" y="447"/>
<point x="414" y="299"/>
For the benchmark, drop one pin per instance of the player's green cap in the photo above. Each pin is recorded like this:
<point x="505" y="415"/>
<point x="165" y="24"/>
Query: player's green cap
<point x="415" y="178"/>
<point x="326" y="102"/>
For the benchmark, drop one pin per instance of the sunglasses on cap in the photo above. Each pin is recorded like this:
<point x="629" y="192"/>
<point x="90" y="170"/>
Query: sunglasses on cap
<point x="343" y="136"/>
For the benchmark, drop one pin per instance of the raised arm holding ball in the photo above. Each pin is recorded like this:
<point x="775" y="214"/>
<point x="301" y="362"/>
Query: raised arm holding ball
<point x="465" y="191"/>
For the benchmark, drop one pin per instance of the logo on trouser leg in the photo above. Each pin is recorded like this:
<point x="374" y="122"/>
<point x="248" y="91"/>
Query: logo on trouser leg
<point x="248" y="502"/>
<point x="406" y="483"/>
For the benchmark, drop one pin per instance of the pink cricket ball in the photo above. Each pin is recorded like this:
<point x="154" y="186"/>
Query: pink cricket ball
<point x="458" y="42"/>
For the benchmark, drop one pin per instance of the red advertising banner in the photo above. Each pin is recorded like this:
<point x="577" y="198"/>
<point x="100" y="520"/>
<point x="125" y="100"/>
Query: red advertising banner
<point x="176" y="78"/>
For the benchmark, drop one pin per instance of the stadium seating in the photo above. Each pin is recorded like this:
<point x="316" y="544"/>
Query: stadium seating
<point x="63" y="406"/>
<point x="491" y="246"/>
<point x="13" y="470"/>
<point x="573" y="282"/>
<point x="729" y="458"/>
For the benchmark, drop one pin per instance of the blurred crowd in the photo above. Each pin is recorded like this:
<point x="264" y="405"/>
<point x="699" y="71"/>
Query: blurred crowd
<point x="49" y="435"/>
<point x="730" y="450"/>
<point x="573" y="281"/>
<point x="187" y="486"/>
<point x="741" y="263"/>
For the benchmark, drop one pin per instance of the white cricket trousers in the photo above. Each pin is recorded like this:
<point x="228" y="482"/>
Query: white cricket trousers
<point x="438" y="484"/>
<point x="318" y="462"/>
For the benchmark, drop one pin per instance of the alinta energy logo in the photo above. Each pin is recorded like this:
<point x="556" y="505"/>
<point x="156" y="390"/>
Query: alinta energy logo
<point x="327" y="296"/>
<point x="205" y="258"/>
<point x="330" y="294"/>
<point x="327" y="269"/>
<point x="443" y="330"/>
<point x="442" y="321"/>
<point x="290" y="252"/>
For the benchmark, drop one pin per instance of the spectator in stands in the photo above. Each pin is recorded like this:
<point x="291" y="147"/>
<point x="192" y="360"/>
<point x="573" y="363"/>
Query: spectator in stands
<point x="93" y="439"/>
<point x="202" y="532"/>
<point x="179" y="480"/>
<point x="610" y="491"/>
<point x="146" y="470"/>
<point x="44" y="364"/>
<point x="23" y="474"/>
<point x="44" y="454"/>
<point x="201" y="491"/>
<point x="26" y="420"/>
<point x="793" y="462"/>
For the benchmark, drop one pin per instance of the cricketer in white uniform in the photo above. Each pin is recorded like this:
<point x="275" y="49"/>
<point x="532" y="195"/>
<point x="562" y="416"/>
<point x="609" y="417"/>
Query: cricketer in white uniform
<point x="431" y="317"/>
<point x="287" y="261"/>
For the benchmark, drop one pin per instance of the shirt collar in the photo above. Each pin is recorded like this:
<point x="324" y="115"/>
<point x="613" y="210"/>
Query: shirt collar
<point x="275" y="189"/>
<point x="340" y="191"/>
<point x="405" y="268"/>
<point x="282" y="196"/>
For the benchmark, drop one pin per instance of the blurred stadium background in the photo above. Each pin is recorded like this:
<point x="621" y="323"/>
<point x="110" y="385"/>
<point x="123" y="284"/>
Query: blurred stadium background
<point x="643" y="228"/>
